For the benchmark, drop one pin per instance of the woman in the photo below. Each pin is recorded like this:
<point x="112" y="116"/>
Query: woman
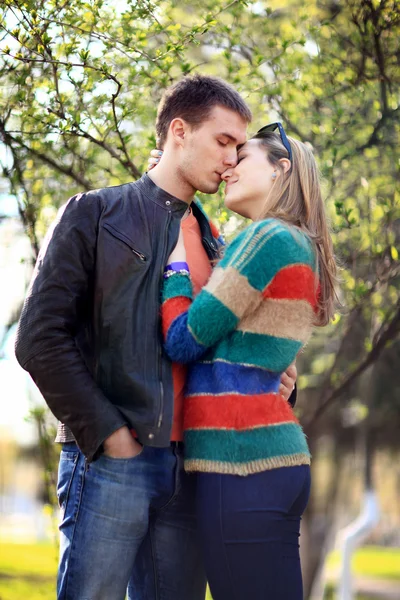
<point x="275" y="281"/>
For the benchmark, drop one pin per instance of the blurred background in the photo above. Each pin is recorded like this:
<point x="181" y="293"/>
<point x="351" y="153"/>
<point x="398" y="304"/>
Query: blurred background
<point x="80" y="84"/>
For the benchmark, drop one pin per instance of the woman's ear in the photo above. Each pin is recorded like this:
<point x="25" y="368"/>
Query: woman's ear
<point x="285" y="164"/>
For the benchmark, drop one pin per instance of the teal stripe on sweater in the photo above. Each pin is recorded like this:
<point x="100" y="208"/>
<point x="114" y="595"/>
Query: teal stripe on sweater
<point x="207" y="316"/>
<point x="266" y="351"/>
<point x="264" y="248"/>
<point x="177" y="285"/>
<point x="280" y="251"/>
<point x="244" y="446"/>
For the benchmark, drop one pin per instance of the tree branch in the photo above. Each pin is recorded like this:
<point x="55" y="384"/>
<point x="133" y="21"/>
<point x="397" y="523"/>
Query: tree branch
<point x="388" y="333"/>
<point x="27" y="215"/>
<point x="373" y="139"/>
<point x="9" y="140"/>
<point x="128" y="163"/>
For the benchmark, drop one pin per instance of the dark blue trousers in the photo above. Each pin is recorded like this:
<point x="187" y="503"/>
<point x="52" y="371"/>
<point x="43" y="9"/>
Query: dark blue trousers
<point x="250" y="529"/>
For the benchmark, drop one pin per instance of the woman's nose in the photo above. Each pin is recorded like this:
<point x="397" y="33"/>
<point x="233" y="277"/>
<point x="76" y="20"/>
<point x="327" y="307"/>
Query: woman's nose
<point x="227" y="174"/>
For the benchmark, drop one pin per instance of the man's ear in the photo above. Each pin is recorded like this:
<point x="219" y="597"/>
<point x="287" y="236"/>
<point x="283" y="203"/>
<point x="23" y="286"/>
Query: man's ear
<point x="177" y="131"/>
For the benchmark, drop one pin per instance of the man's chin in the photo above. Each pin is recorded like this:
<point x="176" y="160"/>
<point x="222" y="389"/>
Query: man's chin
<point x="209" y="188"/>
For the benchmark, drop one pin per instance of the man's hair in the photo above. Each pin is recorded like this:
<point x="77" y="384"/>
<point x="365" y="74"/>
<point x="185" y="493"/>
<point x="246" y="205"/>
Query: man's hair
<point x="192" y="99"/>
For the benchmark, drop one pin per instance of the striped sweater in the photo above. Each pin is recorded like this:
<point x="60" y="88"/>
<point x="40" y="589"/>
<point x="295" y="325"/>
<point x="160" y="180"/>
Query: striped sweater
<point x="239" y="334"/>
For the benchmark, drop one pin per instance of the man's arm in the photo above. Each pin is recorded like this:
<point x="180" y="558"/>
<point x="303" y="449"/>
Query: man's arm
<point x="58" y="297"/>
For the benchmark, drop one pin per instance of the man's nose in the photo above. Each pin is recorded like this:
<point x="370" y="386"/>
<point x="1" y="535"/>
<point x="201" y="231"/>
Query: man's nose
<point x="231" y="159"/>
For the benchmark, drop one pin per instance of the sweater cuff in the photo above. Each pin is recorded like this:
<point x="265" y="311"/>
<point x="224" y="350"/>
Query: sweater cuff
<point x="177" y="285"/>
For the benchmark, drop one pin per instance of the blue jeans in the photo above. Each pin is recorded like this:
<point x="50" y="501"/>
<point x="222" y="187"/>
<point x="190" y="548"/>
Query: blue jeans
<point x="250" y="529"/>
<point x="128" y="526"/>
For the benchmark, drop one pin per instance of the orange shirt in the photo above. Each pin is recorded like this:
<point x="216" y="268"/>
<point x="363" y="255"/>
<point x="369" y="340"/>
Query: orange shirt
<point x="200" y="271"/>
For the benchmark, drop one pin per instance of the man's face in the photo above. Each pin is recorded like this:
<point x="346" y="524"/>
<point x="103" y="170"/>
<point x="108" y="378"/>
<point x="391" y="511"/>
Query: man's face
<point x="211" y="149"/>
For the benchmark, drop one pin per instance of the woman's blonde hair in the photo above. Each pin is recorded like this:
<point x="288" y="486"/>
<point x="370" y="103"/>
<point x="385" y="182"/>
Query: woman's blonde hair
<point x="296" y="199"/>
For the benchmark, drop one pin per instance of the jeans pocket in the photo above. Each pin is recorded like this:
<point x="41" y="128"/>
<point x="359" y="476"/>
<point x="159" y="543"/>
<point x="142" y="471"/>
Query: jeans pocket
<point x="66" y="470"/>
<point x="121" y="460"/>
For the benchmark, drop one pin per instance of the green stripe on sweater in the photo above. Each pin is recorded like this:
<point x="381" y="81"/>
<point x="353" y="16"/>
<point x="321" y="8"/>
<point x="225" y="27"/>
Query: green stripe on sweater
<point x="283" y="249"/>
<point x="266" y="351"/>
<point x="265" y="247"/>
<point x="245" y="446"/>
<point x="177" y="285"/>
<point x="217" y="315"/>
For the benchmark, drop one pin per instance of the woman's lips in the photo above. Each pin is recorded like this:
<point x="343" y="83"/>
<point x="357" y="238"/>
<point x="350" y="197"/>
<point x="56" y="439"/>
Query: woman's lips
<point x="228" y="185"/>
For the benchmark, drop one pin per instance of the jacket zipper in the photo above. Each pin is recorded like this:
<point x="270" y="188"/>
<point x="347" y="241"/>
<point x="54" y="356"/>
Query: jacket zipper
<point x="139" y="254"/>
<point x="160" y="416"/>
<point x="120" y="238"/>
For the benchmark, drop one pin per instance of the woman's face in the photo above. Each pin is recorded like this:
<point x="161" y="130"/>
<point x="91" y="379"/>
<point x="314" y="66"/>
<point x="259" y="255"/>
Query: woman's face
<point x="249" y="183"/>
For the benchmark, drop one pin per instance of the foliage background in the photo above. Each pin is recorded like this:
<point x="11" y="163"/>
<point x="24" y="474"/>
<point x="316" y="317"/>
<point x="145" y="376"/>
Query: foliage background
<point x="80" y="87"/>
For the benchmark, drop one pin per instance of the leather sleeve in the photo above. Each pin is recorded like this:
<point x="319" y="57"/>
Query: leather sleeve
<point x="58" y="297"/>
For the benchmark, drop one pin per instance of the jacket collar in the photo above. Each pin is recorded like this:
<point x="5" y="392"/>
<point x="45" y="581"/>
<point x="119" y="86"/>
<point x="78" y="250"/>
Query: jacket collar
<point x="160" y="196"/>
<point x="171" y="203"/>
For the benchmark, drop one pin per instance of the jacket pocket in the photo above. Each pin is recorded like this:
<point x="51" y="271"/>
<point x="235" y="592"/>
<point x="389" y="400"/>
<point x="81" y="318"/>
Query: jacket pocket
<point x="125" y="240"/>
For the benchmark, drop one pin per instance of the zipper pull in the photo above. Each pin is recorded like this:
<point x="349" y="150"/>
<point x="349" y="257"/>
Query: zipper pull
<point x="140" y="255"/>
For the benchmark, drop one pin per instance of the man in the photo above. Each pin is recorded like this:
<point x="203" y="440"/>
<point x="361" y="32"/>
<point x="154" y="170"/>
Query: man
<point x="89" y="336"/>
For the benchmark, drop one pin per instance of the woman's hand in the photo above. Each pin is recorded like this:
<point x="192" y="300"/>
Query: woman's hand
<point x="155" y="156"/>
<point x="179" y="252"/>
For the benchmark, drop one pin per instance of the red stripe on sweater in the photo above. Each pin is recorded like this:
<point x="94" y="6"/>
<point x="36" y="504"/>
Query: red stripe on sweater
<point x="296" y="282"/>
<point x="171" y="309"/>
<point x="233" y="411"/>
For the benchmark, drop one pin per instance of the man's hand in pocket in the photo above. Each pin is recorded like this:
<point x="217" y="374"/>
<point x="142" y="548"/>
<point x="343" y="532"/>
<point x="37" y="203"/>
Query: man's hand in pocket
<point x="121" y="444"/>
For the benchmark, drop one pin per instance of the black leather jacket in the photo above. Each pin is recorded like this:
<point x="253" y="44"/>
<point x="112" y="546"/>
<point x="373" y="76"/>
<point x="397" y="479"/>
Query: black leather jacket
<point x="89" y="332"/>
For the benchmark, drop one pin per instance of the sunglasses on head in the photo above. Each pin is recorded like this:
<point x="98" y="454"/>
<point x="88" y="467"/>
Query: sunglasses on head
<point x="273" y="127"/>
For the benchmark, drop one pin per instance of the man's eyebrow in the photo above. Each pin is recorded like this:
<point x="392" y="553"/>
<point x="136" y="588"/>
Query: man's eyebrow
<point x="232" y="137"/>
<point x="228" y="135"/>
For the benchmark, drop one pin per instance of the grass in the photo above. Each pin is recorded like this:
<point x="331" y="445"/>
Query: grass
<point x="330" y="594"/>
<point x="28" y="570"/>
<point x="373" y="562"/>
